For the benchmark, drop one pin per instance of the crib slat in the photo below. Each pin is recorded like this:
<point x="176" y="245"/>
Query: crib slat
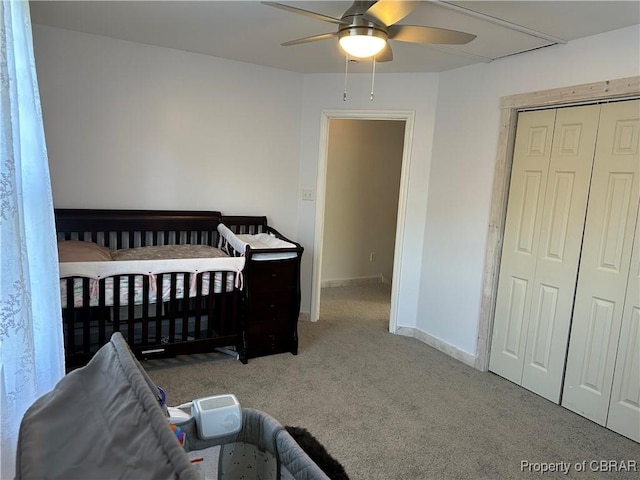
<point x="145" y="310"/>
<point x="102" y="308"/>
<point x="69" y="316"/>
<point x="116" y="303"/>
<point x="131" y="310"/>
<point x="185" y="306"/>
<point x="210" y="311"/>
<point x="86" y="314"/>
<point x="159" y="307"/>
<point x="222" y="305"/>
<point x="232" y="325"/>
<point x="198" y="305"/>
<point x="227" y="325"/>
<point x="172" y="308"/>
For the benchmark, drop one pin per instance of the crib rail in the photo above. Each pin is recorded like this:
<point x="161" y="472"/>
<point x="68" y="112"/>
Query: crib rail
<point x="118" y="229"/>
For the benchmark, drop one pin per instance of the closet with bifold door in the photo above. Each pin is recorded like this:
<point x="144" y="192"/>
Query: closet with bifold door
<point x="567" y="314"/>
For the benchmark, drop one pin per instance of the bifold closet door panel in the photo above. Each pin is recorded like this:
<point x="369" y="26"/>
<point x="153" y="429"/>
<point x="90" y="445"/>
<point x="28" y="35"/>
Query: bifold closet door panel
<point x="624" y="407"/>
<point x="532" y="152"/>
<point x="537" y="284"/>
<point x="605" y="262"/>
<point x="564" y="211"/>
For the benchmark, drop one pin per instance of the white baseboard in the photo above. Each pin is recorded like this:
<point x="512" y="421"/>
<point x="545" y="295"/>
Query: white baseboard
<point x="347" y="282"/>
<point x="304" y="316"/>
<point x="438" y="344"/>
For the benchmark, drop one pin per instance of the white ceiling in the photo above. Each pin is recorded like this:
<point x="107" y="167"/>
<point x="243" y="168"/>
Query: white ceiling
<point x="249" y="31"/>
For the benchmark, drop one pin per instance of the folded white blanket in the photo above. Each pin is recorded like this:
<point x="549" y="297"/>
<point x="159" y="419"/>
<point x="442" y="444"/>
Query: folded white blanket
<point x="264" y="240"/>
<point x="259" y="241"/>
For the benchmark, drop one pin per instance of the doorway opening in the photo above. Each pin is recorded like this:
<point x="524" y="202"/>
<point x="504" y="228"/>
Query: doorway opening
<point x="344" y="196"/>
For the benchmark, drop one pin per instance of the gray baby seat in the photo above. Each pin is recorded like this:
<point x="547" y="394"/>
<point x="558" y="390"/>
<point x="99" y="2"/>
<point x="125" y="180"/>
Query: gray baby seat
<point x="103" y="421"/>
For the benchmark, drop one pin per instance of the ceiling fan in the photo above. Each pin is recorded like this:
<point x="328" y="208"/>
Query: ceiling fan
<point x="365" y="28"/>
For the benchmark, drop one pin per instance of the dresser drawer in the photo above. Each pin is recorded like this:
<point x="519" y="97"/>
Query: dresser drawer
<point x="265" y="339"/>
<point x="273" y="275"/>
<point x="269" y="312"/>
<point x="273" y="298"/>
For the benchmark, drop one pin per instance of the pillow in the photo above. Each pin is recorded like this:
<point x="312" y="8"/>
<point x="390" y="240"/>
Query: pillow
<point x="80" y="251"/>
<point x="164" y="252"/>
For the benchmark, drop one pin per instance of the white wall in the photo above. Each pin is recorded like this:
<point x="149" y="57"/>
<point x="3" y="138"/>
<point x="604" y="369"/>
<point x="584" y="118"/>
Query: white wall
<point x="407" y="92"/>
<point x="136" y="126"/>
<point x="460" y="183"/>
<point x="364" y="160"/>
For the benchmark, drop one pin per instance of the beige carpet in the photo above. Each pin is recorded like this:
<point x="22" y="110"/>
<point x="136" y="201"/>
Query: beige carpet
<point x="389" y="407"/>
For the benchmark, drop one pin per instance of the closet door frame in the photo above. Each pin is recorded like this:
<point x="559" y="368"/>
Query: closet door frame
<point x="509" y="108"/>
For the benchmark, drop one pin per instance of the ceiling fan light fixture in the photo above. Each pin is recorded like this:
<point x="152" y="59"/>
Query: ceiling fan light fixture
<point x="362" y="42"/>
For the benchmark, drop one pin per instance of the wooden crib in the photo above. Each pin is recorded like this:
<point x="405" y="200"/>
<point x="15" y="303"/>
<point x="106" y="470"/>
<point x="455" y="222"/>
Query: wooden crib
<point x="189" y="319"/>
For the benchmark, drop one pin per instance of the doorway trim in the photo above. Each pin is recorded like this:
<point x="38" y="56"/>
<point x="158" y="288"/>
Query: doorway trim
<point x="327" y="115"/>
<point x="509" y="108"/>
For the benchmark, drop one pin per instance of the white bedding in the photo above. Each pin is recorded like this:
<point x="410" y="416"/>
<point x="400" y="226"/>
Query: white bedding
<point x="99" y="270"/>
<point x="261" y="241"/>
<point x="151" y="268"/>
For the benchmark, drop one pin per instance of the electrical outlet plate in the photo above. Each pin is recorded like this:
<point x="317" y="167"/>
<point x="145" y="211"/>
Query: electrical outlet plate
<point x="308" y="194"/>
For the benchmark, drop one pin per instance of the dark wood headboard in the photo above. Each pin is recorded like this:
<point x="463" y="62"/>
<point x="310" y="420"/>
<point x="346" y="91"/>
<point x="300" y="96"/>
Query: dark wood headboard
<point x="118" y="229"/>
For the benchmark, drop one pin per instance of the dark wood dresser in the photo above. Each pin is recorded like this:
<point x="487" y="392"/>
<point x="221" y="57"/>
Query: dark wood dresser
<point x="271" y="301"/>
<point x="272" y="290"/>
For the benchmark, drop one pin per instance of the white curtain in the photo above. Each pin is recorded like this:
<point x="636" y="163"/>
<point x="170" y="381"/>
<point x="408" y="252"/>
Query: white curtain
<point x="31" y="346"/>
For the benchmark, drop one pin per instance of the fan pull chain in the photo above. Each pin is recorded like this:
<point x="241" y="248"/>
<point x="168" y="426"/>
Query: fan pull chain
<point x="346" y="71"/>
<point x="373" y="78"/>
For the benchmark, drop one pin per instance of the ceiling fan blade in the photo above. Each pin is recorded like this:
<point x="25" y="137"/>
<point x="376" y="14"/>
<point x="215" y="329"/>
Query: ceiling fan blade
<point x="388" y="12"/>
<point x="307" y="13"/>
<point x="386" y="55"/>
<point x="312" y="38"/>
<point x="422" y="34"/>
